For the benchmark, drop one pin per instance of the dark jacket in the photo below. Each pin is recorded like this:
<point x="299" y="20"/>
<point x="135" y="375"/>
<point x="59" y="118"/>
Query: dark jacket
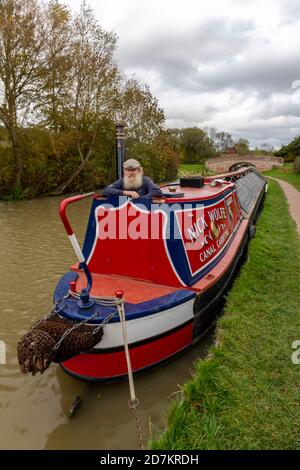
<point x="148" y="188"/>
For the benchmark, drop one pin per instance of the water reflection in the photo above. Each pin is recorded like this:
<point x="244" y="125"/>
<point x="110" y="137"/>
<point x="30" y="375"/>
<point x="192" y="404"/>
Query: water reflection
<point x="103" y="420"/>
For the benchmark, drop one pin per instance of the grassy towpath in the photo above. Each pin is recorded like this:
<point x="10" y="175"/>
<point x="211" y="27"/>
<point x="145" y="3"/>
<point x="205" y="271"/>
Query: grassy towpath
<point x="245" y="395"/>
<point x="293" y="198"/>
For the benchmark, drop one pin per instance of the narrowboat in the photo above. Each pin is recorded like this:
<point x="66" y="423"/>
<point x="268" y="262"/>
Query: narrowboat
<point x="170" y="260"/>
<point x="173" y="258"/>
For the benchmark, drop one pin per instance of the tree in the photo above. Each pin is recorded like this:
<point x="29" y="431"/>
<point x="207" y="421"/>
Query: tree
<point x="212" y="135"/>
<point x="267" y="148"/>
<point x="195" y="145"/>
<point x="291" y="151"/>
<point x="22" y="45"/>
<point x="91" y="85"/>
<point x="158" y="158"/>
<point x="242" y="146"/>
<point x="50" y="103"/>
<point x="174" y="136"/>
<point x="264" y="149"/>
<point x="140" y="112"/>
<point x="223" y="141"/>
<point x="61" y="93"/>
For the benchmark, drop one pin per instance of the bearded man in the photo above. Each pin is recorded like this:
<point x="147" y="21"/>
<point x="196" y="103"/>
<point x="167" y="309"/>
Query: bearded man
<point x="134" y="184"/>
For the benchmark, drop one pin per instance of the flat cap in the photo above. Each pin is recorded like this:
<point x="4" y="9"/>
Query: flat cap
<point x="131" y="164"/>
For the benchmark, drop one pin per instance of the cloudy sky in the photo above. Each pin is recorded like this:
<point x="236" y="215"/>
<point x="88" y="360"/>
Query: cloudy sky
<point x="229" y="64"/>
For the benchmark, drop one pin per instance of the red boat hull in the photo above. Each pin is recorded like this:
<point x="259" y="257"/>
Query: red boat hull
<point x="109" y="366"/>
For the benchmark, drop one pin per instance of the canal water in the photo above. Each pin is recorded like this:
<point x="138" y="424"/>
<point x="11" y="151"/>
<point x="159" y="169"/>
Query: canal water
<point x="34" y="253"/>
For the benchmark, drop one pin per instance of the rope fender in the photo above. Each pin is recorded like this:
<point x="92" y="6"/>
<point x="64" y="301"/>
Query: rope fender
<point x="54" y="339"/>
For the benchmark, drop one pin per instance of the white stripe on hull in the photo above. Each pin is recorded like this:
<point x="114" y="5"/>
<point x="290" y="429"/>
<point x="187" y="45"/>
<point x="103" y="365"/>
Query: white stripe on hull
<point x="146" y="327"/>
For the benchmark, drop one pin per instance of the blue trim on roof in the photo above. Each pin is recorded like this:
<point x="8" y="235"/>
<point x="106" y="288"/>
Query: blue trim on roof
<point x="68" y="307"/>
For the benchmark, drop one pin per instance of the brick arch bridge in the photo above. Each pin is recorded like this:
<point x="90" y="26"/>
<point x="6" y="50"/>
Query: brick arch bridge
<point x="262" y="162"/>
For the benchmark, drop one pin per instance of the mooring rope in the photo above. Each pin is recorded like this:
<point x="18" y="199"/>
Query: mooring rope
<point x="133" y="402"/>
<point x="107" y="301"/>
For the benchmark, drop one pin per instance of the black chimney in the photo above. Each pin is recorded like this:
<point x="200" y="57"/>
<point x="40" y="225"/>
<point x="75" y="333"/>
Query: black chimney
<point x="120" y="154"/>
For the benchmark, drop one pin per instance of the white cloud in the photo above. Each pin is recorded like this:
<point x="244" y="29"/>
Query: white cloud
<point x="223" y="63"/>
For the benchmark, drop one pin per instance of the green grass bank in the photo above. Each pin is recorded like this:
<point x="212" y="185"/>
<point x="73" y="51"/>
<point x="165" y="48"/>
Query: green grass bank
<point x="286" y="173"/>
<point x="193" y="169"/>
<point x="245" y="395"/>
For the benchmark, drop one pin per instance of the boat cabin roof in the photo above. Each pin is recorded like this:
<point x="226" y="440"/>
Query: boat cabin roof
<point x="174" y="192"/>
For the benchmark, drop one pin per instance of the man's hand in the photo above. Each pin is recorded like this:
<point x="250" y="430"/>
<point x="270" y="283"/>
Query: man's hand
<point x="132" y="194"/>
